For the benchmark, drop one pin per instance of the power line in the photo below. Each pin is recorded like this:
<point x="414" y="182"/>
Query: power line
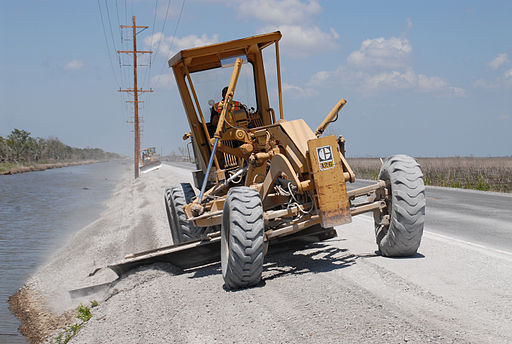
<point x="108" y="47"/>
<point x="110" y="25"/>
<point x="174" y="34"/>
<point x="147" y="71"/>
<point x="113" y="40"/>
<point x="160" y="40"/>
<point x="118" y="21"/>
<point x="163" y="27"/>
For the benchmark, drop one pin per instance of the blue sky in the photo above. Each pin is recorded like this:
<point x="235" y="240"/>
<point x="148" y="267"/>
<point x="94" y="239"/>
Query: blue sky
<point x="425" y="78"/>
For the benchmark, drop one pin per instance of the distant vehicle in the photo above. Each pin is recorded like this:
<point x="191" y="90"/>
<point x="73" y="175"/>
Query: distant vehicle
<point x="149" y="159"/>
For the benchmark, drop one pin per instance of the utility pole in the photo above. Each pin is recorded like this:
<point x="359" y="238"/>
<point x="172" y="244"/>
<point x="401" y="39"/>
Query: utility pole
<point x="135" y="91"/>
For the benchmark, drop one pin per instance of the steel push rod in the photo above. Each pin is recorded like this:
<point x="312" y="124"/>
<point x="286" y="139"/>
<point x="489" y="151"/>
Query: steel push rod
<point x="227" y="100"/>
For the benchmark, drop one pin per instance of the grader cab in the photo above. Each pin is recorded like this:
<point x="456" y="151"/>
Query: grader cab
<point x="262" y="179"/>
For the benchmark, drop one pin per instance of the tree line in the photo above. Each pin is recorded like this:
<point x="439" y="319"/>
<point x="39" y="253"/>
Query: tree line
<point x="20" y="147"/>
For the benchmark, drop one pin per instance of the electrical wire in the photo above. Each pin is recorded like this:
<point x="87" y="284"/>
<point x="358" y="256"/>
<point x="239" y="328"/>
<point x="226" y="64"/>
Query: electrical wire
<point x="163" y="26"/>
<point x="174" y="34"/>
<point x="147" y="71"/>
<point x="107" y="45"/>
<point x="110" y="26"/>
<point x="125" y="12"/>
<point x="148" y="75"/>
<point x="119" y="22"/>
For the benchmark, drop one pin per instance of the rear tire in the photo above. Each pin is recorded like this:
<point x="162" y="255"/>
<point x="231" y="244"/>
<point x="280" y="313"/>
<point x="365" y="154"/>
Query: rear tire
<point x="242" y="244"/>
<point x="181" y="229"/>
<point x="405" y="208"/>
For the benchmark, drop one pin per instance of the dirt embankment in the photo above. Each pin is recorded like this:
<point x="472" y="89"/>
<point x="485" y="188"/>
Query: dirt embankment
<point x="37" y="321"/>
<point x="41" y="167"/>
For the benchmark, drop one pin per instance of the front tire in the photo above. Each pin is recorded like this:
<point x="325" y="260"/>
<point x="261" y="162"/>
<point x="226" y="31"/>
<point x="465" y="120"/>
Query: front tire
<point x="181" y="229"/>
<point x="399" y="228"/>
<point x="242" y="244"/>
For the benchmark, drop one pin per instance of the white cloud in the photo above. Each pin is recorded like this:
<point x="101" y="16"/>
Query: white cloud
<point x="277" y="11"/>
<point x="499" y="61"/>
<point x="504" y="81"/>
<point x="381" y="52"/>
<point x="480" y="83"/>
<point x="393" y="80"/>
<point x="409" y="23"/>
<point x="364" y="81"/>
<point x="300" y="41"/>
<point x="298" y="92"/>
<point x="410" y="80"/>
<point x="382" y="65"/>
<point x="74" y="65"/>
<point x="294" y="19"/>
<point x="319" y="77"/>
<point x="169" y="46"/>
<point x="163" y="80"/>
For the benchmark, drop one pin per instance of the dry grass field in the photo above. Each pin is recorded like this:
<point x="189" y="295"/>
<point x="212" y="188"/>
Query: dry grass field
<point x="487" y="174"/>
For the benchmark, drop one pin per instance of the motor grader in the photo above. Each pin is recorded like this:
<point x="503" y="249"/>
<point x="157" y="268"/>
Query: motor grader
<point x="149" y="159"/>
<point x="262" y="179"/>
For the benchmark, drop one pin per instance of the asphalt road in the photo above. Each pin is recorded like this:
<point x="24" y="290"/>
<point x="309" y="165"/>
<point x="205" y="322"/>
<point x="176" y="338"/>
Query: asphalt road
<point x="477" y="217"/>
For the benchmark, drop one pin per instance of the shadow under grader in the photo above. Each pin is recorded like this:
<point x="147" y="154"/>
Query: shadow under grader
<point x="294" y="259"/>
<point x="314" y="258"/>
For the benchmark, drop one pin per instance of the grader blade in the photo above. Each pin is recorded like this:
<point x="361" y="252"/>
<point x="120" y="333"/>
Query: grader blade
<point x="151" y="166"/>
<point x="187" y="255"/>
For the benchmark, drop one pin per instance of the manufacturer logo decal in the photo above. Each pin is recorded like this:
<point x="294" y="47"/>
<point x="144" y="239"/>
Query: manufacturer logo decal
<point x="325" y="157"/>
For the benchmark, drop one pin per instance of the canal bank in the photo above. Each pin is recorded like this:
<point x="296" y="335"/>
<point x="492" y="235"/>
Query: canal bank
<point x="8" y="168"/>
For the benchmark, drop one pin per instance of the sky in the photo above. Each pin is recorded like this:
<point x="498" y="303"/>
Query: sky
<point x="424" y="78"/>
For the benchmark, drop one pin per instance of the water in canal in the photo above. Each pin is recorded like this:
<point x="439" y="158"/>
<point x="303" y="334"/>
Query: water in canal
<point x="39" y="211"/>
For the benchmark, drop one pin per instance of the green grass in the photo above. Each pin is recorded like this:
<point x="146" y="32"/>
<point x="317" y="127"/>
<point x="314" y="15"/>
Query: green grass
<point x="6" y="166"/>
<point x="84" y="314"/>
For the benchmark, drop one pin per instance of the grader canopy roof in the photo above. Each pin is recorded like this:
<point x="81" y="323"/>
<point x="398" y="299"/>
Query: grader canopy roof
<point x="210" y="56"/>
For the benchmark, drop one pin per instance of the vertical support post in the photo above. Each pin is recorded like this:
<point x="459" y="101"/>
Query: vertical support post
<point x="136" y="104"/>
<point x="278" y="67"/>
<point x="198" y="106"/>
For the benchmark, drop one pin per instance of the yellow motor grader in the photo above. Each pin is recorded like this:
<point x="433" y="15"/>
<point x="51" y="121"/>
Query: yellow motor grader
<point x="149" y="159"/>
<point x="263" y="179"/>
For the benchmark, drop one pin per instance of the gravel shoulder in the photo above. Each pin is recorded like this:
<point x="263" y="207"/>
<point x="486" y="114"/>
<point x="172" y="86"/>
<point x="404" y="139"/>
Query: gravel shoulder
<point x="335" y="291"/>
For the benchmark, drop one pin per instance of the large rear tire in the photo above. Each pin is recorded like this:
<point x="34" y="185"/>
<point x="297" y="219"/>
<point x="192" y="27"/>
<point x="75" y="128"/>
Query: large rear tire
<point x="175" y="198"/>
<point x="399" y="229"/>
<point x="242" y="242"/>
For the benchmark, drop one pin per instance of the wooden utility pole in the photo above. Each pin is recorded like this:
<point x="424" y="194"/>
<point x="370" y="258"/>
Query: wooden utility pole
<point x="135" y="91"/>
